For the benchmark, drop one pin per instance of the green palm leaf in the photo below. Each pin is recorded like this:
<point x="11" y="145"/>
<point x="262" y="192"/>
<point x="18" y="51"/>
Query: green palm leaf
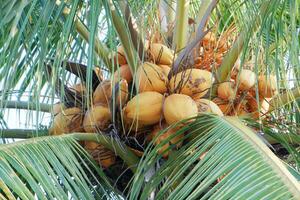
<point x="230" y="151"/>
<point x="50" y="168"/>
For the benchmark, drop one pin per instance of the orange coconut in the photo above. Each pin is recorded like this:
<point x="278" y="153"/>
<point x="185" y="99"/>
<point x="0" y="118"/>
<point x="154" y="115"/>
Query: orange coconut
<point x="247" y="79"/>
<point x="161" y="54"/>
<point x="207" y="106"/>
<point x="144" y="109"/>
<point x="178" y="107"/>
<point x="96" y="119"/>
<point x="102" y="93"/>
<point x="121" y="57"/>
<point x="254" y="107"/>
<point x="67" y="121"/>
<point x="102" y="155"/>
<point x="226" y="91"/>
<point x="192" y="82"/>
<point x="177" y="140"/>
<point x="267" y="86"/>
<point x="123" y="72"/>
<point x="151" y="77"/>
<point x="225" y="106"/>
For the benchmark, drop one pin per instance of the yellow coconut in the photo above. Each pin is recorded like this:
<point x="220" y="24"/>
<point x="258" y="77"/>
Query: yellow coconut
<point x="67" y="121"/>
<point x="263" y="104"/>
<point x="102" y="155"/>
<point x="247" y="79"/>
<point x="225" y="106"/>
<point x="177" y="141"/>
<point x="161" y="54"/>
<point x="102" y="94"/>
<point x="192" y="82"/>
<point x="145" y="109"/>
<point x="151" y="77"/>
<point x="96" y="119"/>
<point x="123" y="72"/>
<point x="207" y="106"/>
<point x="178" y="107"/>
<point x="57" y="108"/>
<point x="267" y="86"/>
<point x="226" y="91"/>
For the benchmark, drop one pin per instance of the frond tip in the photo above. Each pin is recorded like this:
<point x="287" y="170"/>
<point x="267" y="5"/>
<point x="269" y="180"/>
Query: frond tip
<point x="49" y="168"/>
<point x="221" y="159"/>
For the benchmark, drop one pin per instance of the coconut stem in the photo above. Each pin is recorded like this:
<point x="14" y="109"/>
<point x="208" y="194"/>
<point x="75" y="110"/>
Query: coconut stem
<point x="125" y="38"/>
<point x="181" y="28"/>
<point x="116" y="146"/>
<point x="22" y="133"/>
<point x="101" y="50"/>
<point x="26" y="105"/>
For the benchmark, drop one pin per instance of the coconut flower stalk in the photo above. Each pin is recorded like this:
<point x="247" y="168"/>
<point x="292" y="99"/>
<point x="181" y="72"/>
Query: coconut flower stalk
<point x="125" y="38"/>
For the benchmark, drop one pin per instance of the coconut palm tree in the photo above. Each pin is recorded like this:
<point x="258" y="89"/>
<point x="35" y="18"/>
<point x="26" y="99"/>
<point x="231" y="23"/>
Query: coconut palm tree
<point x="49" y="46"/>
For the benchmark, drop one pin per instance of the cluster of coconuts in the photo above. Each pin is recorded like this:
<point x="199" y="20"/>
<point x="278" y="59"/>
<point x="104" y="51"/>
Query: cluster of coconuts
<point x="238" y="96"/>
<point x="211" y="51"/>
<point x="95" y="120"/>
<point x="160" y="101"/>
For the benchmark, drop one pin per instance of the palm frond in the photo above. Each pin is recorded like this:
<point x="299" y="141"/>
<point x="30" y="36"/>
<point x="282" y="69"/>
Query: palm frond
<point x="50" y="168"/>
<point x="220" y="159"/>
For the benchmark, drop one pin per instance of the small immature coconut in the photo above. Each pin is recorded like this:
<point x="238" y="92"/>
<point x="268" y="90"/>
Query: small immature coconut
<point x="267" y="86"/>
<point x="161" y="54"/>
<point x="67" y="121"/>
<point x="207" y="106"/>
<point x="162" y="137"/>
<point x="96" y="119"/>
<point x="102" y="94"/>
<point x="151" y="77"/>
<point x="241" y="108"/>
<point x="209" y="40"/>
<point x="225" y="106"/>
<point x="192" y="82"/>
<point x="123" y="72"/>
<point x="254" y="107"/>
<point x="144" y="109"/>
<point x="57" y="108"/>
<point x="247" y="79"/>
<point x="178" y="107"/>
<point x="226" y="91"/>
<point x="102" y="155"/>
